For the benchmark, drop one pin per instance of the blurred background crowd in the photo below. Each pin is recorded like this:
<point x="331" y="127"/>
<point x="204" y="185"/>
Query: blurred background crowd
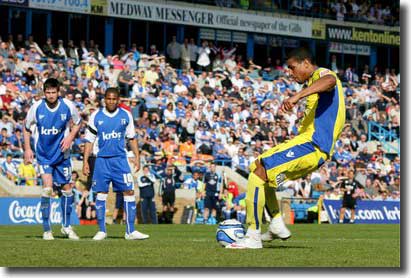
<point x="196" y="104"/>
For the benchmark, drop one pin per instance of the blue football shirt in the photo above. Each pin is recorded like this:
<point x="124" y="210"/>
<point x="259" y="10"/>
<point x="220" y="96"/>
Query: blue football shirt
<point x="51" y="126"/>
<point x="110" y="130"/>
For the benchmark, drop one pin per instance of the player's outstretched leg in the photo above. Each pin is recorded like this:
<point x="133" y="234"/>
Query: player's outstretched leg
<point x="255" y="200"/>
<point x="66" y="202"/>
<point x="45" y="213"/>
<point x="101" y="216"/>
<point x="277" y="228"/>
<point x="130" y="208"/>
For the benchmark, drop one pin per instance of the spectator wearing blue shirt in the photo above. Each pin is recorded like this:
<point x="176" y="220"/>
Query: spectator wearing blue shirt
<point x="153" y="131"/>
<point x="193" y="182"/>
<point x="280" y="85"/>
<point x="10" y="168"/>
<point x="103" y="85"/>
<point x="342" y="156"/>
<point x="260" y="97"/>
<point x="8" y="77"/>
<point x="159" y="168"/>
<point x="78" y="102"/>
<point x="220" y="154"/>
<point x="214" y="122"/>
<point x="180" y="111"/>
<point x="38" y="66"/>
<point x="229" y="123"/>
<point x="4" y="137"/>
<point x="184" y="78"/>
<point x="70" y="68"/>
<point x="16" y="145"/>
<point x="136" y="54"/>
<point x="22" y="85"/>
<point x="166" y="86"/>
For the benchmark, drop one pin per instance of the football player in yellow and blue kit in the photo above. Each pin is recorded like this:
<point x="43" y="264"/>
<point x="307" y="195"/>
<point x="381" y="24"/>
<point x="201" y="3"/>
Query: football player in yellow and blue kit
<point x="321" y="126"/>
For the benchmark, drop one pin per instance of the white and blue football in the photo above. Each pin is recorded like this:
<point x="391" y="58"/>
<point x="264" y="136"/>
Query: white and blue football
<point x="229" y="231"/>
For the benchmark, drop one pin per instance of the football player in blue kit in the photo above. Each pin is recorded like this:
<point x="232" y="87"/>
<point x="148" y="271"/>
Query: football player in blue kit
<point x="112" y="125"/>
<point x="49" y="121"/>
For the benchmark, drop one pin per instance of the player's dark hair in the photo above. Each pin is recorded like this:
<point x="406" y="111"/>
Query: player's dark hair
<point x="112" y="90"/>
<point x="300" y="54"/>
<point x="51" y="83"/>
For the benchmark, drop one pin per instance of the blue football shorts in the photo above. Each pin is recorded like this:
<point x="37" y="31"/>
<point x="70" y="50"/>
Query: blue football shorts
<point x="112" y="169"/>
<point x="60" y="172"/>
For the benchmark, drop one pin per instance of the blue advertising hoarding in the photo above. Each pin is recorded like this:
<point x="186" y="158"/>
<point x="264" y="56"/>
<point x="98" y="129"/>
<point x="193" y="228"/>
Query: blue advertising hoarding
<point x="367" y="212"/>
<point x="22" y="3"/>
<point x="74" y="6"/>
<point x="26" y="211"/>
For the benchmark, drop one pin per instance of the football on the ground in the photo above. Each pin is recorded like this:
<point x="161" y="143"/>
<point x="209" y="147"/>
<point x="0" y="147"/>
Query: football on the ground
<point x="229" y="231"/>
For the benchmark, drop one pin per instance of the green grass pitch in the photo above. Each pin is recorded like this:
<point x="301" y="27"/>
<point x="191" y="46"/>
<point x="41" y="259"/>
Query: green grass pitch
<point x="311" y="245"/>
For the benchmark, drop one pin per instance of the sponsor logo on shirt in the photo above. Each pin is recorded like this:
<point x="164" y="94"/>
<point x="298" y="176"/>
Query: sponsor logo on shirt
<point x="290" y="154"/>
<point x="111" y="135"/>
<point x="49" y="131"/>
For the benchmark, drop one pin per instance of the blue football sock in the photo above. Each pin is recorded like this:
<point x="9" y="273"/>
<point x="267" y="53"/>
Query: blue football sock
<point x="101" y="213"/>
<point x="130" y="207"/>
<point x="45" y="213"/>
<point x="66" y="208"/>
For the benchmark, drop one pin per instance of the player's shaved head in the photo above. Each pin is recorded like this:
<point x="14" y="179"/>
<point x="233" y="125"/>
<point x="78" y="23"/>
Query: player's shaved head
<point x="112" y="90"/>
<point x="300" y="54"/>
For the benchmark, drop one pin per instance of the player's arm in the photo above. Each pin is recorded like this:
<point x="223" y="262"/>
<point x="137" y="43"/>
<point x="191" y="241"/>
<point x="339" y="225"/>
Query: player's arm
<point x="131" y="136"/>
<point x="87" y="150"/>
<point x="28" y="122"/>
<point x="90" y="136"/>
<point x="322" y="85"/>
<point x="134" y="149"/>
<point x="75" y="116"/>
<point x="28" y="153"/>
<point x="67" y="141"/>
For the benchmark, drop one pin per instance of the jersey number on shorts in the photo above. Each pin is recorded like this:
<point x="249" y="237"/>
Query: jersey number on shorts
<point x="67" y="172"/>
<point x="128" y="179"/>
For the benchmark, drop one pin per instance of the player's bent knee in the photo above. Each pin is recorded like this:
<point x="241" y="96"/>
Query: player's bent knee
<point x="128" y="193"/>
<point x="66" y="187"/>
<point x="46" y="192"/>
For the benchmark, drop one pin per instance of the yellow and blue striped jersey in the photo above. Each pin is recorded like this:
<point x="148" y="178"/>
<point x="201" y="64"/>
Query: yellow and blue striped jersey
<point x="324" y="117"/>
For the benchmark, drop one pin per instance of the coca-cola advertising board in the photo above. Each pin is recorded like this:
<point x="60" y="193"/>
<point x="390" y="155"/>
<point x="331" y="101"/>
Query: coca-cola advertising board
<point x="26" y="211"/>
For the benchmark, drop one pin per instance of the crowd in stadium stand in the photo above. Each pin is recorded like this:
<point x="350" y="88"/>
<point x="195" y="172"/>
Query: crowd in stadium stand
<point x="366" y="11"/>
<point x="197" y="104"/>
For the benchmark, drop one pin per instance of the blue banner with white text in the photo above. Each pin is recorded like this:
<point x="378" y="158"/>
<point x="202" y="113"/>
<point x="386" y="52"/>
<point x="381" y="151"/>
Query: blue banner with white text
<point x="26" y="211"/>
<point x="366" y="212"/>
<point x="22" y="3"/>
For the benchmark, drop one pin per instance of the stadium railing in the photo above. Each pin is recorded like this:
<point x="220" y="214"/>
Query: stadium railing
<point x="388" y="138"/>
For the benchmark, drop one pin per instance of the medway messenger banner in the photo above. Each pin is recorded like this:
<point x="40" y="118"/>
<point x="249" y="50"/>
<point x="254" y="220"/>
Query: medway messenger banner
<point x="212" y="18"/>
<point x="367" y="212"/>
<point x="75" y="6"/>
<point x="26" y="211"/>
